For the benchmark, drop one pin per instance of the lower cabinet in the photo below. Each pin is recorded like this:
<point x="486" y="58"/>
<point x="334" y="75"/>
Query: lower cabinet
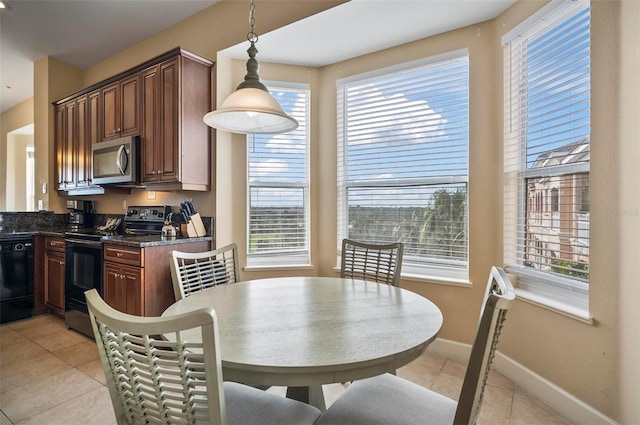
<point x="54" y="262"/>
<point x="123" y="288"/>
<point x="138" y="280"/>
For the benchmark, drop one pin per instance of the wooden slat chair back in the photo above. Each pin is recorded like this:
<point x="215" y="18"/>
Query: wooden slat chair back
<point x="194" y="271"/>
<point x="380" y="263"/>
<point x="152" y="379"/>
<point x="168" y="370"/>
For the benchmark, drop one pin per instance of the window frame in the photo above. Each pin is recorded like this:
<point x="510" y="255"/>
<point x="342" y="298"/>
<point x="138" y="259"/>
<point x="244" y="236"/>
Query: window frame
<point x="413" y="268"/>
<point x="565" y="295"/>
<point x="283" y="259"/>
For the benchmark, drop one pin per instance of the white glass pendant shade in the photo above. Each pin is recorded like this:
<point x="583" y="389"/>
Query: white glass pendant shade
<point x="251" y="111"/>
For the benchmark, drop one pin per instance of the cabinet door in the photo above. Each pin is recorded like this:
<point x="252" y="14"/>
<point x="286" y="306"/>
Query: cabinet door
<point x="167" y="147"/>
<point x="69" y="142"/>
<point x="54" y="279"/>
<point x="123" y="288"/>
<point x="149" y="125"/>
<point x="82" y="145"/>
<point x="129" y="106"/>
<point x="110" y="108"/>
<point x="60" y="145"/>
<point x="94" y="131"/>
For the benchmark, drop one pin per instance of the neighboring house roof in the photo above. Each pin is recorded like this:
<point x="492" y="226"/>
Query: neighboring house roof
<point x="568" y="154"/>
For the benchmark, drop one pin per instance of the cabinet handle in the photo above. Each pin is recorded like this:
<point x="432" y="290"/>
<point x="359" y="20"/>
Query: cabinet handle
<point x="153" y="172"/>
<point x="159" y="171"/>
<point x="61" y="263"/>
<point x="118" y="254"/>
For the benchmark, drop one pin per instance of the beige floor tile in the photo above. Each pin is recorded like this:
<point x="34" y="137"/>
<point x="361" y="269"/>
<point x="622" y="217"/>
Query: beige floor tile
<point x="455" y="369"/>
<point x="9" y="337"/>
<point x="447" y="385"/>
<point x="91" y="408"/>
<point x="45" y="393"/>
<point x="24" y="372"/>
<point x="94" y="370"/>
<point x="423" y="370"/>
<point x="496" y="407"/>
<point x="4" y="420"/>
<point x="20" y="351"/>
<point x="43" y="328"/>
<point x="35" y="321"/>
<point x="79" y="354"/>
<point x="497" y="380"/>
<point x="60" y="340"/>
<point x="529" y="410"/>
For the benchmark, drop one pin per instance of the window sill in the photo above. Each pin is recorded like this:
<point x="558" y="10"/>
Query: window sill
<point x="278" y="267"/>
<point x="436" y="280"/>
<point x="547" y="303"/>
<point x="428" y="279"/>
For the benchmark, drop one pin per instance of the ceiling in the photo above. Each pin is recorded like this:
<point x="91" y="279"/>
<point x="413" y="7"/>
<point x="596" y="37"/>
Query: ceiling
<point x="84" y="32"/>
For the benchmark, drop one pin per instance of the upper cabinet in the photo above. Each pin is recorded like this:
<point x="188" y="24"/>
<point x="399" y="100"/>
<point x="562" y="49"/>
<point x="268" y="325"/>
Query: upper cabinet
<point x="176" y="148"/>
<point x="75" y="132"/>
<point x="163" y="101"/>
<point x="121" y="108"/>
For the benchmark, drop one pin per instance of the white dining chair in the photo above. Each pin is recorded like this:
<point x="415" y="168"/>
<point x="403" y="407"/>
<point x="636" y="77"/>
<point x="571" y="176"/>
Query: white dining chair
<point x="194" y="271"/>
<point x="380" y="263"/>
<point x="157" y="380"/>
<point x="387" y="399"/>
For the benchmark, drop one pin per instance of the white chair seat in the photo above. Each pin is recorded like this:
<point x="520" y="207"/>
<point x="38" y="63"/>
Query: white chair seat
<point x="251" y="406"/>
<point x="405" y="404"/>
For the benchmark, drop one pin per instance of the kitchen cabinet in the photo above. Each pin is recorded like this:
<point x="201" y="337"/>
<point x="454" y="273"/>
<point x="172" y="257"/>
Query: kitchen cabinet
<point x="176" y="146"/>
<point x="65" y="130"/>
<point x="76" y="126"/>
<point x="54" y="262"/>
<point x="123" y="287"/>
<point x="163" y="100"/>
<point x="138" y="280"/>
<point x="120" y="108"/>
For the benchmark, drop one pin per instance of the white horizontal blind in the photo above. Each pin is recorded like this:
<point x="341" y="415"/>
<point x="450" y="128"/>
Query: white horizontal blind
<point x="278" y="187"/>
<point x="403" y="164"/>
<point x="546" y="156"/>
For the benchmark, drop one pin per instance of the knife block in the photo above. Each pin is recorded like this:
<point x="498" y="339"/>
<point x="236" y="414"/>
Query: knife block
<point x="194" y="228"/>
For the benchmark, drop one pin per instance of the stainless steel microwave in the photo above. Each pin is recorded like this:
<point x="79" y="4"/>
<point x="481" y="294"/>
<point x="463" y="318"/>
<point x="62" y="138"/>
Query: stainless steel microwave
<point x="116" y="161"/>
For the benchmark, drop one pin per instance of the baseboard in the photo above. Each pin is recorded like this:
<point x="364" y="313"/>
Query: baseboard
<point x="549" y="393"/>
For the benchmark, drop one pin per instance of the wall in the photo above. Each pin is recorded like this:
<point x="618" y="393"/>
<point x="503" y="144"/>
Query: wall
<point x="625" y="174"/>
<point x="213" y="29"/>
<point x="17" y="171"/>
<point x="12" y="119"/>
<point x="596" y="363"/>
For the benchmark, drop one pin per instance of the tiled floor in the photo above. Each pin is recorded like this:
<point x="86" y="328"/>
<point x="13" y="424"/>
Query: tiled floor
<point x="50" y="375"/>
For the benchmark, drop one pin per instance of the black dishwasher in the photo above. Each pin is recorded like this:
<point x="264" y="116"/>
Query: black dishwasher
<point x="16" y="277"/>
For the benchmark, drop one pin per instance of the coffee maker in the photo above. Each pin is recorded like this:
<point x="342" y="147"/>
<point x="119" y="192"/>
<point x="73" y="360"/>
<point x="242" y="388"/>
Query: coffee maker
<point x="80" y="214"/>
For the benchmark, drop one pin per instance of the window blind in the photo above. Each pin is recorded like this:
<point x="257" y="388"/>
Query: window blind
<point x="278" y="187"/>
<point x="547" y="151"/>
<point x="403" y="164"/>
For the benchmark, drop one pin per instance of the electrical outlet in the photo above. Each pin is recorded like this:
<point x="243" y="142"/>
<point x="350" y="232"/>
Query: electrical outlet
<point x="151" y="195"/>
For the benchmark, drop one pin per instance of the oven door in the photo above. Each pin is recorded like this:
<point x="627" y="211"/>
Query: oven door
<point x="83" y="271"/>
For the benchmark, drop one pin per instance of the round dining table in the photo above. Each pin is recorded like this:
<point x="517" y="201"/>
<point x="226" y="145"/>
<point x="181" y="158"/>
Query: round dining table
<point x="303" y="332"/>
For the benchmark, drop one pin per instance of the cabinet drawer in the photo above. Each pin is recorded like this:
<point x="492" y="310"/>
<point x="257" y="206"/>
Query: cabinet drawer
<point x="123" y="255"/>
<point x="54" y="244"/>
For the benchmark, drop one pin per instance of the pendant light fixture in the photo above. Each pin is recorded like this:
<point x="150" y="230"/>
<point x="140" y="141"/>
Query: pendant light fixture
<point x="251" y="109"/>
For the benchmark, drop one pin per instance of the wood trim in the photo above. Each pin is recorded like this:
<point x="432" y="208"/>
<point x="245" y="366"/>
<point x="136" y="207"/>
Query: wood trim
<point x="177" y="51"/>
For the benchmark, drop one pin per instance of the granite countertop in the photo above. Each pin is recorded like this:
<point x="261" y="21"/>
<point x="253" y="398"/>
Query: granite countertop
<point x="124" y="240"/>
<point x="153" y="240"/>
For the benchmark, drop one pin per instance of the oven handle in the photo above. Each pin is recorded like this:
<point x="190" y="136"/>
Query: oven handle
<point x="87" y="244"/>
